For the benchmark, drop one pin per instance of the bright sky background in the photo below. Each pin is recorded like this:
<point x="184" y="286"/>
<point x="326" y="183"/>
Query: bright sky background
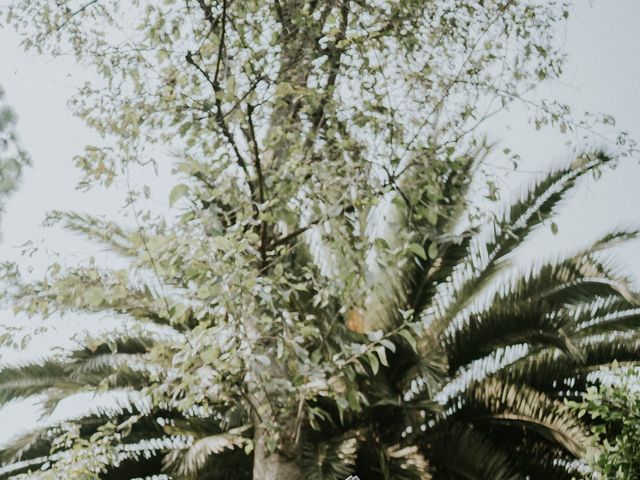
<point x="603" y="75"/>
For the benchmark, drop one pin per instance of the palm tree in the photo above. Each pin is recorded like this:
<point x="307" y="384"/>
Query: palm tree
<point x="473" y="390"/>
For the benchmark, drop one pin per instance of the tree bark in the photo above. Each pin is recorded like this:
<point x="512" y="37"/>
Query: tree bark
<point x="272" y="466"/>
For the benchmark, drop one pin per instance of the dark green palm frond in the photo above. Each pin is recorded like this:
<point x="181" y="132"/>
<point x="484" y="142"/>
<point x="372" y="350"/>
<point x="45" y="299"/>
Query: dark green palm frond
<point x="33" y="449"/>
<point x="23" y="381"/>
<point x="450" y="247"/>
<point x="114" y="236"/>
<point x="551" y="371"/>
<point x="37" y="443"/>
<point x="32" y="444"/>
<point x="22" y="468"/>
<point x="425" y="376"/>
<point x="536" y="460"/>
<point x="407" y="463"/>
<point x="460" y="451"/>
<point x="115" y="370"/>
<point x="607" y="317"/>
<point x="85" y="370"/>
<point x="497" y="240"/>
<point x="451" y="251"/>
<point x="458" y="183"/>
<point x="538" y="204"/>
<point x="598" y="307"/>
<point x="135" y="341"/>
<point x="119" y="361"/>
<point x="430" y="220"/>
<point x="581" y="290"/>
<point x="141" y="457"/>
<point x="493" y="402"/>
<point x="481" y="334"/>
<point x="330" y="459"/>
<point x="574" y="280"/>
<point x="391" y="462"/>
<point x="613" y="239"/>
<point x="189" y="461"/>
<point x="533" y="310"/>
<point x="146" y="465"/>
<point x="185" y="442"/>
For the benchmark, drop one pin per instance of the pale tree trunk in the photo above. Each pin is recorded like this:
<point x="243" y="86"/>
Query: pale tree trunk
<point x="272" y="466"/>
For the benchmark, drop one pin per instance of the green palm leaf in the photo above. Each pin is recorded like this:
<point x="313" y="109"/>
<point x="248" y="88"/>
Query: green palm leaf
<point x="467" y="453"/>
<point x="492" y="402"/>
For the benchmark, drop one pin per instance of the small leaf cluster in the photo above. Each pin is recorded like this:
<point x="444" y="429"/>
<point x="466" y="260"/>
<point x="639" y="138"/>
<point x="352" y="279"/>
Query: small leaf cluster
<point x="614" y="408"/>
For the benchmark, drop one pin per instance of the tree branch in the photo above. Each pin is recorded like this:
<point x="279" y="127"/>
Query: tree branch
<point x="298" y="231"/>
<point x="71" y="16"/>
<point x="256" y="154"/>
<point x="260" y="178"/>
<point x="219" y="116"/>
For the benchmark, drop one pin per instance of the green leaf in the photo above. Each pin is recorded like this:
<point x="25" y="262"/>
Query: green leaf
<point x="373" y="361"/>
<point x="177" y="192"/>
<point x="382" y="354"/>
<point x="418" y="250"/>
<point x="406" y="334"/>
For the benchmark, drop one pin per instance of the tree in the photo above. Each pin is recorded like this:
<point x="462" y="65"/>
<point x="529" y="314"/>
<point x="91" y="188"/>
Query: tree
<point x="614" y="408"/>
<point x="324" y="281"/>
<point x="12" y="157"/>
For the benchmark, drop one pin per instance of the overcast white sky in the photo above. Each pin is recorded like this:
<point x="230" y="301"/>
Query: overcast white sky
<point x="603" y="75"/>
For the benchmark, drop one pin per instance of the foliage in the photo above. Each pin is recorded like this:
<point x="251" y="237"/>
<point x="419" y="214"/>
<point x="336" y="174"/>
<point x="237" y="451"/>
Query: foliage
<point x="12" y="157"/>
<point x="325" y="300"/>
<point x="456" y="389"/>
<point x="614" y="408"/>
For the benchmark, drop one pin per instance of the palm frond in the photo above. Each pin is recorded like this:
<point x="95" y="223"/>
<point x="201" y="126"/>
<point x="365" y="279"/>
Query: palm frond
<point x="408" y="463"/>
<point x="620" y="320"/>
<point x="114" y="236"/>
<point x="26" y="380"/>
<point x="483" y="333"/>
<point x="550" y="370"/>
<point x="92" y="290"/>
<point x="330" y="459"/>
<point x="536" y="460"/>
<point x="574" y="280"/>
<point x="189" y="461"/>
<point x="493" y="402"/>
<point x="391" y="462"/>
<point x="613" y="239"/>
<point x="496" y="241"/>
<point x="408" y="284"/>
<point x="467" y="453"/>
<point x="533" y="309"/>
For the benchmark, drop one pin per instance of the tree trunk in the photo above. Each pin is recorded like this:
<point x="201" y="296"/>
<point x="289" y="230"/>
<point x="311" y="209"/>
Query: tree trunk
<point x="274" y="466"/>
